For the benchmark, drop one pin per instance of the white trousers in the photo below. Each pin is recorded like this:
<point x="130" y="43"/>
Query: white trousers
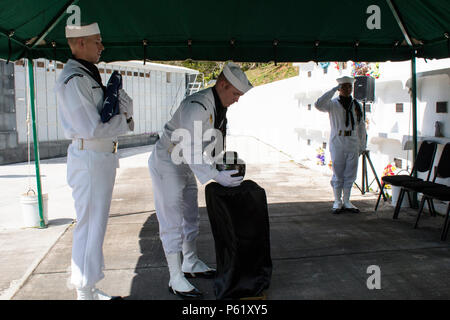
<point x="175" y="193"/>
<point x="345" y="168"/>
<point x="91" y="176"/>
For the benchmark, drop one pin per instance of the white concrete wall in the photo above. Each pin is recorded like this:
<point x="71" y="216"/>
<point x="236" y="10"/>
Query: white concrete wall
<point x="154" y="96"/>
<point x="277" y="113"/>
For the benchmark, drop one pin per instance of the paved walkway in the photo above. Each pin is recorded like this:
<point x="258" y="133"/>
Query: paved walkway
<point x="316" y="255"/>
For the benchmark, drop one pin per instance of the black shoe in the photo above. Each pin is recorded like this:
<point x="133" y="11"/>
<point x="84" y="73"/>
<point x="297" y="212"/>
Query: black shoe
<point x="207" y="274"/>
<point x="193" y="294"/>
<point x="336" y="211"/>
<point x="116" y="298"/>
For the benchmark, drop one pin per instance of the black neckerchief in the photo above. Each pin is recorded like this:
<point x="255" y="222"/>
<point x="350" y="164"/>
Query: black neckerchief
<point x="92" y="71"/>
<point x="346" y="103"/>
<point x="220" y="113"/>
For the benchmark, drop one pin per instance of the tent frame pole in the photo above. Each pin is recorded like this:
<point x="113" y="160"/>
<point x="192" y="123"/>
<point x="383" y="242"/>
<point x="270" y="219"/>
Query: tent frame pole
<point x="53" y="23"/>
<point x="35" y="143"/>
<point x="400" y="23"/>
<point x="41" y="36"/>
<point x="414" y="105"/>
<point x="408" y="40"/>
<point x="410" y="43"/>
<point x="414" y="201"/>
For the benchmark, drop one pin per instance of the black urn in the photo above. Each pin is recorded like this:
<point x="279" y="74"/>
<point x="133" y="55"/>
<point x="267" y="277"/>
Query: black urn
<point x="231" y="161"/>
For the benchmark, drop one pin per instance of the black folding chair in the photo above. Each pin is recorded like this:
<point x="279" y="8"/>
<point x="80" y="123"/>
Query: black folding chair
<point x="424" y="162"/>
<point x="439" y="193"/>
<point x="432" y="190"/>
<point x="440" y="171"/>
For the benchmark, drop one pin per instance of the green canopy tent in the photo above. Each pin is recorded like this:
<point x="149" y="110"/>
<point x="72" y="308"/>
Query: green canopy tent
<point x="283" y="30"/>
<point x="258" y="31"/>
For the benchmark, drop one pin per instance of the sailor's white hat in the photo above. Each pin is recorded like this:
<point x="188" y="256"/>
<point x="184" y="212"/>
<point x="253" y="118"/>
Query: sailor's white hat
<point x="236" y="77"/>
<point x="345" y="79"/>
<point x="74" y="31"/>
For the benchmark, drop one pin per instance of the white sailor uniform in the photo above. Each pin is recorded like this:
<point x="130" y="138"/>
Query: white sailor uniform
<point x="91" y="167"/>
<point x="175" y="185"/>
<point x="346" y="143"/>
<point x="177" y="159"/>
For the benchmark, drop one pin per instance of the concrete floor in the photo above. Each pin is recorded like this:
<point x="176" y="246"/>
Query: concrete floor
<point x="315" y="254"/>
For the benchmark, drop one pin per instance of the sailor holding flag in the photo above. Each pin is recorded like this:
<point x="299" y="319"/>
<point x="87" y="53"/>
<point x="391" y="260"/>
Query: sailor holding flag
<point x="93" y="124"/>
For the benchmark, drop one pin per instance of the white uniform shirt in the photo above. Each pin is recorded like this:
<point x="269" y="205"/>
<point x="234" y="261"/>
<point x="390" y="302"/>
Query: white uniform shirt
<point x="198" y="108"/>
<point x="80" y="99"/>
<point x="355" y="143"/>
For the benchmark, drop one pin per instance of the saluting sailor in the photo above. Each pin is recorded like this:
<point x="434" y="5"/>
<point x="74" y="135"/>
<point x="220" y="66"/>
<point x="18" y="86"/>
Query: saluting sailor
<point x="347" y="140"/>
<point x="174" y="183"/>
<point x="92" y="156"/>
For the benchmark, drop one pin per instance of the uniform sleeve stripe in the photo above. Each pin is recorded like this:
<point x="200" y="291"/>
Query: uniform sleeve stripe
<point x="72" y="76"/>
<point x="199" y="104"/>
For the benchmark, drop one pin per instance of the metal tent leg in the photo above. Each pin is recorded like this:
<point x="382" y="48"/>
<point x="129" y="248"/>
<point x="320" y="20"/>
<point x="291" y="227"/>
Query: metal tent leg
<point x="35" y="143"/>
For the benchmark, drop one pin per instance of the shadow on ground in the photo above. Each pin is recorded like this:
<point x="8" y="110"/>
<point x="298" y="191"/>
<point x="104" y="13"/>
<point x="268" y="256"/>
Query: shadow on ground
<point x="315" y="254"/>
<point x="318" y="255"/>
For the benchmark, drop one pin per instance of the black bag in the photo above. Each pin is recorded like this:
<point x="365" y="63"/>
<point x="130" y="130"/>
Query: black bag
<point x="240" y="226"/>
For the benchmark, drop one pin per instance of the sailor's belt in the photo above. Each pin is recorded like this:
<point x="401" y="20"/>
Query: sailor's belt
<point x="98" y="145"/>
<point x="345" y="133"/>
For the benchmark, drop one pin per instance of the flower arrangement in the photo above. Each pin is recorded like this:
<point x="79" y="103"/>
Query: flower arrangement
<point x="320" y="156"/>
<point x="366" y="69"/>
<point x="375" y="70"/>
<point x="340" y="65"/>
<point x="324" y="65"/>
<point x="389" y="170"/>
<point x="359" y="69"/>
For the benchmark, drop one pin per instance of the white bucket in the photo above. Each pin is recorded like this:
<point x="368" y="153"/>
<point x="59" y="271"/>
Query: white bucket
<point x="30" y="209"/>
<point x="395" y="194"/>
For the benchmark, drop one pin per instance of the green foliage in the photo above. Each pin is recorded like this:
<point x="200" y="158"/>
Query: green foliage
<point x="268" y="72"/>
<point x="257" y="73"/>
<point x="210" y="70"/>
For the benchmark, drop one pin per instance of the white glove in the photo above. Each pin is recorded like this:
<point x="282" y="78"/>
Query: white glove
<point x="125" y="103"/>
<point x="226" y="180"/>
<point x="337" y="87"/>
